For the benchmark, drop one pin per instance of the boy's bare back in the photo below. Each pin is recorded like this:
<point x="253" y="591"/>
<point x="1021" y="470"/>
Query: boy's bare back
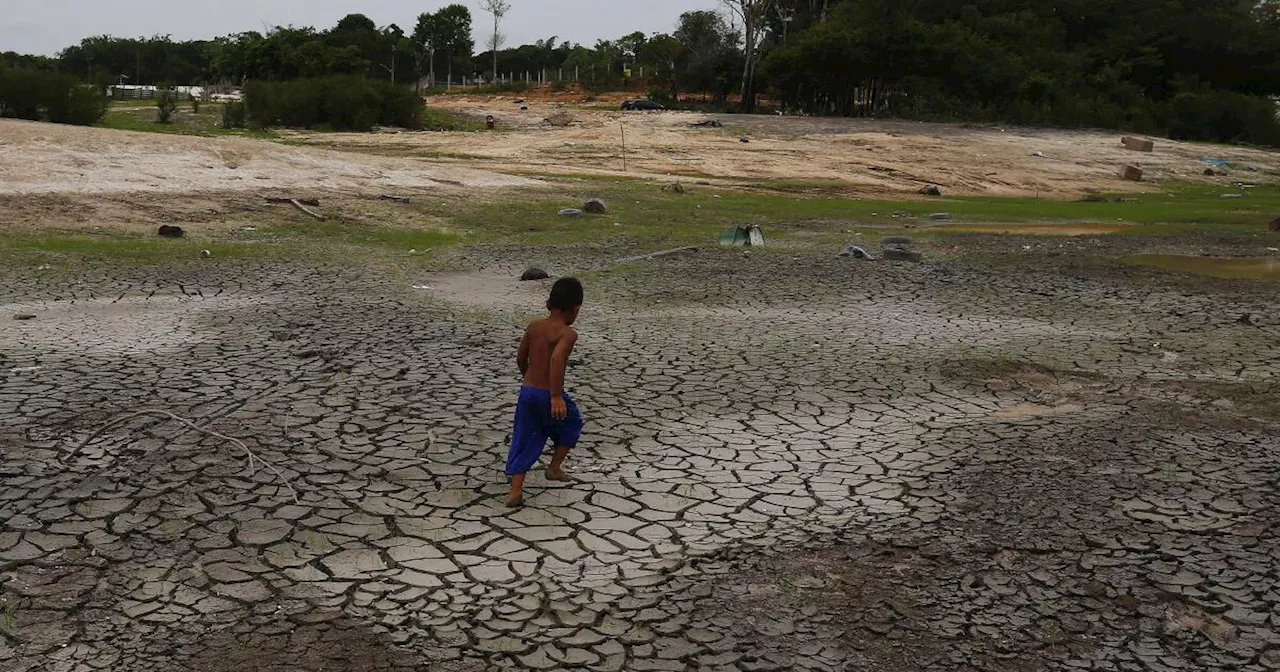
<point x="544" y="353"/>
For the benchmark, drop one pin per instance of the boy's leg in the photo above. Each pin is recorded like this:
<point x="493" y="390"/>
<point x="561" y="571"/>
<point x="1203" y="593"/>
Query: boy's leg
<point x="517" y="492"/>
<point x="555" y="471"/>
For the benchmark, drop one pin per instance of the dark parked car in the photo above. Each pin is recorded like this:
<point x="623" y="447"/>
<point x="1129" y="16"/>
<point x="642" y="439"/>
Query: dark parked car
<point x="641" y="104"/>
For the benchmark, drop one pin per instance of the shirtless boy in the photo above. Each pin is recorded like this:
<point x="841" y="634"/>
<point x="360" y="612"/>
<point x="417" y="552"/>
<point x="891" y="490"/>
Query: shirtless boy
<point x="544" y="411"/>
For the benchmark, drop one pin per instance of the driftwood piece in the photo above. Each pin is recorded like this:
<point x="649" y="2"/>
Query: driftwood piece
<point x="312" y="213"/>
<point x="655" y="255"/>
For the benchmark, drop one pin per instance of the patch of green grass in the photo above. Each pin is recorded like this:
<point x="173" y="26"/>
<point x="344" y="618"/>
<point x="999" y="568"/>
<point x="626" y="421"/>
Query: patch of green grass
<point x="641" y="211"/>
<point x="436" y="119"/>
<point x="134" y="117"/>
<point x="388" y="238"/>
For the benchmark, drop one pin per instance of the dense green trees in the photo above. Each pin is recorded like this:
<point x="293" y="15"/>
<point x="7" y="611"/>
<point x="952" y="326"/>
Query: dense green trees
<point x="1192" y="68"/>
<point x="44" y="95"/>
<point x="1195" y="68"/>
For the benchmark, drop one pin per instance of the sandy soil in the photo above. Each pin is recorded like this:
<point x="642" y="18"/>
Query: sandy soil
<point x="871" y="157"/>
<point x="54" y="159"/>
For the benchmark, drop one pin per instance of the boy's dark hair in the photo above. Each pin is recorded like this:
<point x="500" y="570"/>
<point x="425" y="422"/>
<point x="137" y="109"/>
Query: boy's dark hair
<point x="566" y="294"/>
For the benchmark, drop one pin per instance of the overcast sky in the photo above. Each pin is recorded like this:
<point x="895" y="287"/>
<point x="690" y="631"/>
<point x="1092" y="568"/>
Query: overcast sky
<point x="48" y="26"/>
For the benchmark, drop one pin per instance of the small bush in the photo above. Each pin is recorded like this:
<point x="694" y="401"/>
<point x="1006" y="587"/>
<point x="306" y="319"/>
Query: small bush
<point x="342" y="103"/>
<point x="1224" y="117"/>
<point x="233" y="115"/>
<point x="49" y="96"/>
<point x="166" y="106"/>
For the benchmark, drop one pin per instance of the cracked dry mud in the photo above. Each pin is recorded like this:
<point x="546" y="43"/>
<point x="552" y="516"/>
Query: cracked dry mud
<point x="791" y="462"/>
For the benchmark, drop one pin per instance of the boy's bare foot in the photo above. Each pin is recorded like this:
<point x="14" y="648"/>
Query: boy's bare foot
<point x="559" y="476"/>
<point x="515" y="502"/>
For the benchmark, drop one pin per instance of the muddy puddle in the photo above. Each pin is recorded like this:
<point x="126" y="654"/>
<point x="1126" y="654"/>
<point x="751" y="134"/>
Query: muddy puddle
<point x="1232" y="268"/>
<point x="1036" y="229"/>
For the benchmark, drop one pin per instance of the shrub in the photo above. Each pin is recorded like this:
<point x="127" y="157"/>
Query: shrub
<point x="1225" y="117"/>
<point x="233" y="115"/>
<point x="49" y="96"/>
<point x="342" y="103"/>
<point x="166" y="105"/>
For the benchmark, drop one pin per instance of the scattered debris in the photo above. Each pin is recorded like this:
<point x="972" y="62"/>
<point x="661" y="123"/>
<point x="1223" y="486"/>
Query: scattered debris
<point x="43" y="267"/>
<point x="656" y="255"/>
<point x="675" y="188"/>
<point x="534" y="273"/>
<point x="1039" y="155"/>
<point x="1214" y="173"/>
<point x="595" y="206"/>
<point x="1131" y="173"/>
<point x="1093" y="198"/>
<point x="1138" y="144"/>
<point x="519" y="101"/>
<point x="247" y="229"/>
<point x="24" y="316"/>
<point x="26" y="369"/>
<point x="940" y="216"/>
<point x="1233" y="195"/>
<point x="524" y="108"/>
<point x="570" y="143"/>
<point x="1216" y="163"/>
<point x="899" y="254"/>
<point x="1247" y="320"/>
<point x="744" y="140"/>
<point x="311" y="213"/>
<point x="397" y="199"/>
<point x="561" y="119"/>
<point x="420" y="287"/>
<point x="167" y="231"/>
<point x="571" y="212"/>
<point x="931" y="190"/>
<point x="742" y="236"/>
<point x="857" y="253"/>
<point x="706" y="123"/>
<point x="313" y="202"/>
<point x="205" y="254"/>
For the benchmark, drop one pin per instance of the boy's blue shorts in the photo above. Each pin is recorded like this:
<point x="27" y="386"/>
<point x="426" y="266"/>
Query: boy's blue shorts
<point x="534" y="426"/>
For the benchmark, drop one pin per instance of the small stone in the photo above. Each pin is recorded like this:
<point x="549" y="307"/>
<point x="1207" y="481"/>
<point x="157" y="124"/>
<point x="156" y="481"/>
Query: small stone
<point x="534" y="273"/>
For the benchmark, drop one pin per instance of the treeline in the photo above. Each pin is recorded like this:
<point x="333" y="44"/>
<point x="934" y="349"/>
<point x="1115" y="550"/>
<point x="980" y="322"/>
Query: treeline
<point x="43" y="95"/>
<point x="1190" y="68"/>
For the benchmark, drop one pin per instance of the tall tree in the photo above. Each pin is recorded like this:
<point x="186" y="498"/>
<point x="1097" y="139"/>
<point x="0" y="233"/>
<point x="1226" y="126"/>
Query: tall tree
<point x="425" y="41"/>
<point x="752" y="14"/>
<point x="453" y="26"/>
<point x="499" y="9"/>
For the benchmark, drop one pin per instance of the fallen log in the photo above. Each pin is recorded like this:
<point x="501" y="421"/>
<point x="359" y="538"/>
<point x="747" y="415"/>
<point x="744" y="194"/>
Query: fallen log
<point x="655" y="255"/>
<point x="313" y="214"/>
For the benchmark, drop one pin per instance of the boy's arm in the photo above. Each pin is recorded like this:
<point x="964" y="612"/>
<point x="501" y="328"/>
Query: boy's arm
<point x="560" y="362"/>
<point x="522" y="357"/>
